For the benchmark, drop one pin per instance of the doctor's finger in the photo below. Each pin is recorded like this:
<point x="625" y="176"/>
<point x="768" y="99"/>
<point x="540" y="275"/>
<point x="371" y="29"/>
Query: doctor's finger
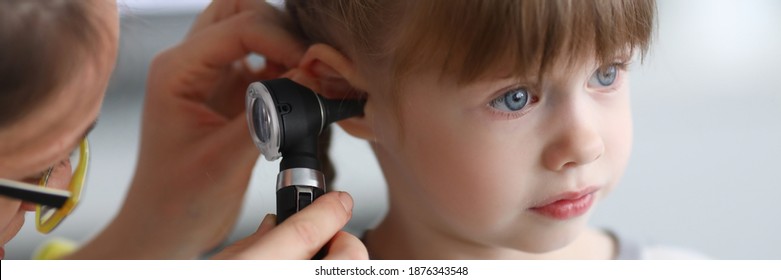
<point x="219" y="10"/>
<point x="345" y="246"/>
<point x="208" y="53"/>
<point x="303" y="234"/>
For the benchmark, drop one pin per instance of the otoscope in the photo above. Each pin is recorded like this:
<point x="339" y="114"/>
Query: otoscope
<point x="285" y="120"/>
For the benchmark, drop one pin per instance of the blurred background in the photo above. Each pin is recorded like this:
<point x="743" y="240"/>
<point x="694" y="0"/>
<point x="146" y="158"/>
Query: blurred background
<point x="705" y="169"/>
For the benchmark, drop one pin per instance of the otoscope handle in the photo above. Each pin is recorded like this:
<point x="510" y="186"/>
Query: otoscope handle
<point x="296" y="189"/>
<point x="292" y="199"/>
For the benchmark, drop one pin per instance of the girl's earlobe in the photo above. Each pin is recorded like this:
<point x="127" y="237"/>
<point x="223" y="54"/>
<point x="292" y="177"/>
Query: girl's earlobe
<point x="361" y="126"/>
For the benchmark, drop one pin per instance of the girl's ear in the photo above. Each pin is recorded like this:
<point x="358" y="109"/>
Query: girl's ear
<point x="332" y="75"/>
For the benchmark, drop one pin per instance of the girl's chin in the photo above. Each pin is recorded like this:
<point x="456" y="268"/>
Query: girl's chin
<point x="549" y="240"/>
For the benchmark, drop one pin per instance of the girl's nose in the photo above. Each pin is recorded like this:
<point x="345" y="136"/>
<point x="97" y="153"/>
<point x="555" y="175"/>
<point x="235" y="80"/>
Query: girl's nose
<point x="576" y="142"/>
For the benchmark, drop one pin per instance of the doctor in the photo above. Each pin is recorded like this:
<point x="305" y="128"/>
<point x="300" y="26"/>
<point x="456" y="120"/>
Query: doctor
<point x="196" y="157"/>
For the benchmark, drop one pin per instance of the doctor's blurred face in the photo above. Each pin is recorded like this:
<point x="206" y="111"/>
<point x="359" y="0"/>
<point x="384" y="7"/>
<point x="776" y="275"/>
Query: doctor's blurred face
<point x="47" y="135"/>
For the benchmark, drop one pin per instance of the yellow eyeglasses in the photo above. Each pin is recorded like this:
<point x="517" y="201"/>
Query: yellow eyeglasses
<point x="53" y="203"/>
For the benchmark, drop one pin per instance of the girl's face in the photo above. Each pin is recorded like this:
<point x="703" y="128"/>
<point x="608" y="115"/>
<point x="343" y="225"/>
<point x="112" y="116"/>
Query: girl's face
<point x="503" y="163"/>
<point x="47" y="135"/>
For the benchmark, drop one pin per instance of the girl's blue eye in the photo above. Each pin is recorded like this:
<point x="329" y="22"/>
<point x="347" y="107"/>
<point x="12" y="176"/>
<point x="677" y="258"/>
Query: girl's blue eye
<point x="604" y="76"/>
<point x="511" y="101"/>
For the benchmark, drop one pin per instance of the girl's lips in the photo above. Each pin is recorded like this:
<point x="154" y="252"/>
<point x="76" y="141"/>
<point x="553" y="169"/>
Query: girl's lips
<point x="567" y="205"/>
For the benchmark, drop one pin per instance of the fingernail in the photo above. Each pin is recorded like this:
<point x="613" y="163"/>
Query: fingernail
<point x="347" y="201"/>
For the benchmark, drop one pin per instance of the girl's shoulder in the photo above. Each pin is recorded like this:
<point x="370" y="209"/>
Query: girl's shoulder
<point x="631" y="249"/>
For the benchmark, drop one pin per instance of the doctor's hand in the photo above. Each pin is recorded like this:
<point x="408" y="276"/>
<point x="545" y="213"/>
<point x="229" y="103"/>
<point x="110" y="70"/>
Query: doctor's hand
<point x="196" y="154"/>
<point x="303" y="234"/>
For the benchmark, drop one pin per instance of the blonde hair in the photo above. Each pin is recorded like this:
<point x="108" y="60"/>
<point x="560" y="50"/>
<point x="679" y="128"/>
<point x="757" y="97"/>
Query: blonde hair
<point x="468" y="38"/>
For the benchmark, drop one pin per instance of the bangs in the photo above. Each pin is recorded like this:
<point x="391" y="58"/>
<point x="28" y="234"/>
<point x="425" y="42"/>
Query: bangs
<point x="469" y="39"/>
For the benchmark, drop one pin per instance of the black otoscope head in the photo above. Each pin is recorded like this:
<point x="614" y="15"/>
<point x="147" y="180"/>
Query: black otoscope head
<point x="286" y="118"/>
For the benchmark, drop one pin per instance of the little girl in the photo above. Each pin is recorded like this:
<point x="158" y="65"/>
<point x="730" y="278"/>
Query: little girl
<point x="498" y="125"/>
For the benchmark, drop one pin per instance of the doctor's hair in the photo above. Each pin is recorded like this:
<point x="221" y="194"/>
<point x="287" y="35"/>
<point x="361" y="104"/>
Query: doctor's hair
<point x="43" y="43"/>
<point x="465" y="40"/>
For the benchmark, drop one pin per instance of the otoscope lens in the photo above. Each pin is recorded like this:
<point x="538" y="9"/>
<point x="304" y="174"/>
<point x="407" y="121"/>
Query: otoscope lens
<point x="263" y="121"/>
